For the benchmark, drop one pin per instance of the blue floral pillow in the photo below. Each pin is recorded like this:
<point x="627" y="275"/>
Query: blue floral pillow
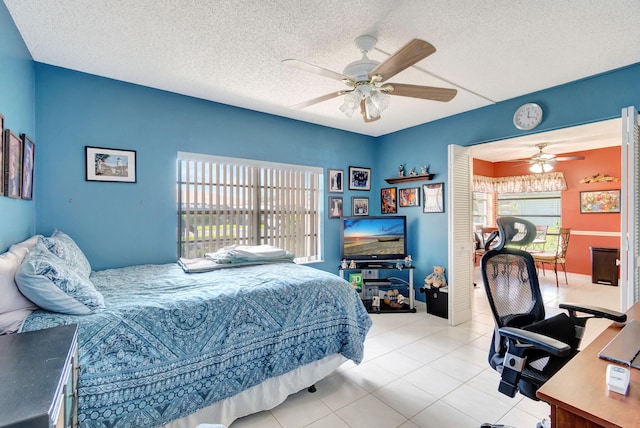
<point x="56" y="285"/>
<point x="64" y="247"/>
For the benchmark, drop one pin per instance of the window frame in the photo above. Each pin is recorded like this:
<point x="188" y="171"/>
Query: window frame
<point x="288" y="190"/>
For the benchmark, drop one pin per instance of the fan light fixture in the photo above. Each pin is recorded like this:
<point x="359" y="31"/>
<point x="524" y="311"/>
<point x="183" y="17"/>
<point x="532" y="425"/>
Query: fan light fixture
<point x="367" y="79"/>
<point x="374" y="99"/>
<point x="539" y="167"/>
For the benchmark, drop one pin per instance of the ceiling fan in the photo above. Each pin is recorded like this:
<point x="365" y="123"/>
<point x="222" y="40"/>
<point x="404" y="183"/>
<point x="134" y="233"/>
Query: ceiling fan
<point x="544" y="162"/>
<point x="365" y="79"/>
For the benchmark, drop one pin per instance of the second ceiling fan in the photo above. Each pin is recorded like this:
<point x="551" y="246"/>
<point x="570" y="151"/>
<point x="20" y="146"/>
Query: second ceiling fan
<point x="544" y="162"/>
<point x="365" y="79"/>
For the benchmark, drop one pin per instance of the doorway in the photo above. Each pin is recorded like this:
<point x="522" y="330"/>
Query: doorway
<point x="599" y="137"/>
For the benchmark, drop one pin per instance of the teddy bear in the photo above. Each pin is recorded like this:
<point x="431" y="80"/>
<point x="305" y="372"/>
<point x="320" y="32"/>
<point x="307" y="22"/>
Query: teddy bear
<point x="394" y="299"/>
<point x="436" y="278"/>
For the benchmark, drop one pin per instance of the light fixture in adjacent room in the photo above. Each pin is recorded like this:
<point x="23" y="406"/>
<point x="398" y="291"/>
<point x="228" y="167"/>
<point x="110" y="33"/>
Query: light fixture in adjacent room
<point x="540" y="167"/>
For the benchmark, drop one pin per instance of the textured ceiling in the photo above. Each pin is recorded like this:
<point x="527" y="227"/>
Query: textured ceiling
<point x="591" y="136"/>
<point x="229" y="51"/>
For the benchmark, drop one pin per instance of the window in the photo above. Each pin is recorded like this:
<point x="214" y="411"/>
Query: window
<point x="228" y="201"/>
<point x="540" y="208"/>
<point x="480" y="209"/>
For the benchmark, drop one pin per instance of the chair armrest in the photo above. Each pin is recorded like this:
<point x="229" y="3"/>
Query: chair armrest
<point x="545" y="343"/>
<point x="596" y="311"/>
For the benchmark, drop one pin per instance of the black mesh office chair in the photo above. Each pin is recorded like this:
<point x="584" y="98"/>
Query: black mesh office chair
<point x="527" y="349"/>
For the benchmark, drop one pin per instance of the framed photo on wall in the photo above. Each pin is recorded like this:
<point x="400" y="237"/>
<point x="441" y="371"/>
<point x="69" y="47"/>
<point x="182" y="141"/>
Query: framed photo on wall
<point x="410" y="197"/>
<point x="433" y="198"/>
<point x="388" y="201"/>
<point x="359" y="206"/>
<point x="335" y="206"/>
<point x="28" y="158"/>
<point x="600" y="201"/>
<point x="1" y="155"/>
<point x="110" y="165"/>
<point x="359" y="178"/>
<point x="12" y="164"/>
<point x="335" y="179"/>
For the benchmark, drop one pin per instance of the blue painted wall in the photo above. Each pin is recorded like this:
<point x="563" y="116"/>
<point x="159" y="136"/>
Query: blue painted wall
<point x="17" y="98"/>
<point x="588" y="100"/>
<point x="120" y="224"/>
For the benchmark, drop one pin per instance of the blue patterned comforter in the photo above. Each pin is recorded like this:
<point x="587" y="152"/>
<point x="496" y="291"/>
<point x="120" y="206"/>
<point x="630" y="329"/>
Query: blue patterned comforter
<point x="170" y="343"/>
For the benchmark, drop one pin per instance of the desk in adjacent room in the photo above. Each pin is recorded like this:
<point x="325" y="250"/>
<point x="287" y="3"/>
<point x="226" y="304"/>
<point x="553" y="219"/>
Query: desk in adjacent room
<point x="578" y="393"/>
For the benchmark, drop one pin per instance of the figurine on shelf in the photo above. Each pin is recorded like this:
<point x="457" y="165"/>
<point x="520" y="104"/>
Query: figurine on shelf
<point x="401" y="170"/>
<point x="413" y="172"/>
<point x="352" y="265"/>
<point x="407" y="261"/>
<point x="344" y="265"/>
<point x="399" y="265"/>
<point x="424" y="170"/>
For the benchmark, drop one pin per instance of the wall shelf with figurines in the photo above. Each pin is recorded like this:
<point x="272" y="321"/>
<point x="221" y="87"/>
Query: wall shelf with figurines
<point x="412" y="175"/>
<point x="409" y="178"/>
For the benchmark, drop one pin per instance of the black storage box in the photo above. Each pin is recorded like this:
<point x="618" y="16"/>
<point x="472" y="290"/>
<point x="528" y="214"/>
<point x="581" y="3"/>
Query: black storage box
<point x="437" y="302"/>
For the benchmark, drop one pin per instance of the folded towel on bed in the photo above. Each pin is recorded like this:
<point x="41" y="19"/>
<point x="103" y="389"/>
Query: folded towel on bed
<point x="197" y="265"/>
<point x="207" y="265"/>
<point x="236" y="256"/>
<point x="249" y="253"/>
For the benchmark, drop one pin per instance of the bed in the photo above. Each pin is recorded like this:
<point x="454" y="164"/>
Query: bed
<point x="169" y="348"/>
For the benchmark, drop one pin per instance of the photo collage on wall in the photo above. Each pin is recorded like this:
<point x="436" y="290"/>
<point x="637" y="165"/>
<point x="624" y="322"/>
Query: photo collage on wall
<point x="359" y="178"/>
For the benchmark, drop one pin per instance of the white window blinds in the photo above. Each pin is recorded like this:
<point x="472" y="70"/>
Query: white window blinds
<point x="229" y="201"/>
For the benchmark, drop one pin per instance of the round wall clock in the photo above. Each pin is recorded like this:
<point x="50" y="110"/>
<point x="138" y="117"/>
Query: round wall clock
<point x="528" y="116"/>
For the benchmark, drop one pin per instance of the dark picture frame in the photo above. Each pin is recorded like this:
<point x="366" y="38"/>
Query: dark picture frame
<point x="1" y="155"/>
<point x="12" y="164"/>
<point x="600" y="202"/>
<point x="389" y="200"/>
<point x="335" y="207"/>
<point x="359" y="206"/>
<point x="28" y="159"/>
<point x="433" y="198"/>
<point x="335" y="180"/>
<point x="409" y="197"/>
<point x="359" y="178"/>
<point x="115" y="165"/>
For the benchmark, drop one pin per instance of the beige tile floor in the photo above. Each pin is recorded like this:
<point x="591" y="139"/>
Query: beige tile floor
<point x="420" y="372"/>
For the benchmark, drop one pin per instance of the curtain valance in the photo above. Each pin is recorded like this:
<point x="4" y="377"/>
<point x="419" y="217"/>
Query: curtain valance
<point x="546" y="182"/>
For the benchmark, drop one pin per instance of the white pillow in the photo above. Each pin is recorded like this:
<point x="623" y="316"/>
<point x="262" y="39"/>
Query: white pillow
<point x="27" y="243"/>
<point x="14" y="307"/>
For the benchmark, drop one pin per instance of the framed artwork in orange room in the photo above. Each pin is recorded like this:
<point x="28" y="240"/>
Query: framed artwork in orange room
<point x="600" y="201"/>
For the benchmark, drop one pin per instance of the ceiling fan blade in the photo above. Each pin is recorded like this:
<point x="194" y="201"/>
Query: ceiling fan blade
<point x="301" y="65"/>
<point x="317" y="100"/>
<point x="568" y="158"/>
<point x="405" y="57"/>
<point x="363" y="112"/>
<point x="424" y="92"/>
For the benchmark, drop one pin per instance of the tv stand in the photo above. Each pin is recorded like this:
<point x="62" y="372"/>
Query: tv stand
<point x="376" y="265"/>
<point x="373" y="285"/>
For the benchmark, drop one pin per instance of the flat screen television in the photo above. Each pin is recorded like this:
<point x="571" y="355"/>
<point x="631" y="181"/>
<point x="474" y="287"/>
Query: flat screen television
<point x="373" y="238"/>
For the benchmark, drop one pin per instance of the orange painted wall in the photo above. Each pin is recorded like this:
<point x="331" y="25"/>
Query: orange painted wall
<point x="483" y="168"/>
<point x="604" y="161"/>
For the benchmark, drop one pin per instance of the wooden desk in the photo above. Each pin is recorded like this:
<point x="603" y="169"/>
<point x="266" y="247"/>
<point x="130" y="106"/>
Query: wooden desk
<point x="578" y="393"/>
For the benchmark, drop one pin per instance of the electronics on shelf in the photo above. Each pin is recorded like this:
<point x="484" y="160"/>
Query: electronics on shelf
<point x="373" y="242"/>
